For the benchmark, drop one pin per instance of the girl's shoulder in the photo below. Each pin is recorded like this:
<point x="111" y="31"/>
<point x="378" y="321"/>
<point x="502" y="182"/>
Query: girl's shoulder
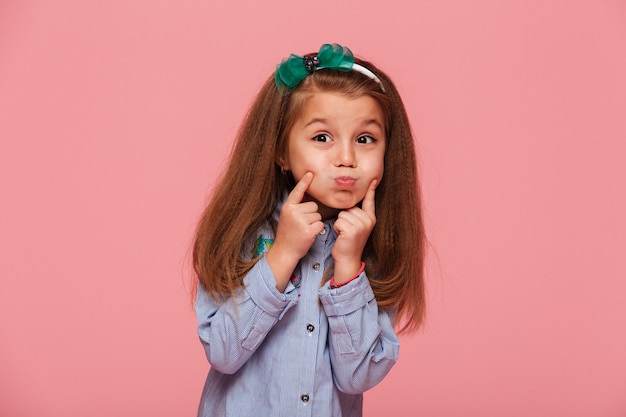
<point x="263" y="238"/>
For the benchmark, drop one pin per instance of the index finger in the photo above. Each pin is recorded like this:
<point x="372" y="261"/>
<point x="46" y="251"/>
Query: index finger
<point x="369" y="204"/>
<point x="297" y="194"/>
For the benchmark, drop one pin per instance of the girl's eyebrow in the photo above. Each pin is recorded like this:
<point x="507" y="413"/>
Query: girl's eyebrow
<point x="316" y="120"/>
<point x="322" y="120"/>
<point x="373" y="122"/>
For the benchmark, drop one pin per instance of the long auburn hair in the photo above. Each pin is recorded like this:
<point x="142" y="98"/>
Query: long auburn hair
<point x="248" y="192"/>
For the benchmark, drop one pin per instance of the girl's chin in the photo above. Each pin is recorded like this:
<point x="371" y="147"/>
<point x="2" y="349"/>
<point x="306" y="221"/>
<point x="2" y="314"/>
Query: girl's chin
<point x="337" y="205"/>
<point x="337" y="202"/>
<point x="345" y="201"/>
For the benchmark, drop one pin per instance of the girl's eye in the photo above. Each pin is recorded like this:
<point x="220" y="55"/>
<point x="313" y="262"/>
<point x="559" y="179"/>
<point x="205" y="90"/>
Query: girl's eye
<point x="322" y="137"/>
<point x="365" y="139"/>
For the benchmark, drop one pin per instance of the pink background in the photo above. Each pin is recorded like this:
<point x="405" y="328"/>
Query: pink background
<point x="116" y="116"/>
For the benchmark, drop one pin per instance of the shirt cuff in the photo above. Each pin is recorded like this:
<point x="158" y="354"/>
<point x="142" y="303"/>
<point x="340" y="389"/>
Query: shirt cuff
<point x="261" y="287"/>
<point x="347" y="298"/>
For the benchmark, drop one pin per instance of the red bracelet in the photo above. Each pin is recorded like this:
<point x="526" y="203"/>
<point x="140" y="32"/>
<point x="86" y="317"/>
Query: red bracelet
<point x="332" y="279"/>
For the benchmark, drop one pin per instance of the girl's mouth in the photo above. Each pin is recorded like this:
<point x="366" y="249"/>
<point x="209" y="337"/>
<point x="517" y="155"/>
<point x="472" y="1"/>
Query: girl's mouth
<point x="345" y="181"/>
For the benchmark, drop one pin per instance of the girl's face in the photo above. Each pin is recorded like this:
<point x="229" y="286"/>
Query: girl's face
<point x="341" y="140"/>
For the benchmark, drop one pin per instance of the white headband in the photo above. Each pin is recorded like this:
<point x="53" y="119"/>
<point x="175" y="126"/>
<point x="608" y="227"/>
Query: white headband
<point x="360" y="68"/>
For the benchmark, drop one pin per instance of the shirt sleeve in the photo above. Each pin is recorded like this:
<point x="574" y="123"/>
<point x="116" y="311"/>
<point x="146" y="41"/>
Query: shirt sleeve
<point x="362" y="342"/>
<point x="232" y="329"/>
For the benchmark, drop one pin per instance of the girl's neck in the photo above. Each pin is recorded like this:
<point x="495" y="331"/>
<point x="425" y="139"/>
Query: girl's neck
<point x="327" y="212"/>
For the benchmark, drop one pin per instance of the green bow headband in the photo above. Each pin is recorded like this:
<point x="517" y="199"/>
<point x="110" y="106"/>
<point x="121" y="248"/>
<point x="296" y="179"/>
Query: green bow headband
<point x="295" y="68"/>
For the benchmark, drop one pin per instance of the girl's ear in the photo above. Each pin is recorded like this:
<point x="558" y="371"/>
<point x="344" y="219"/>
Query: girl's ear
<point x="281" y="161"/>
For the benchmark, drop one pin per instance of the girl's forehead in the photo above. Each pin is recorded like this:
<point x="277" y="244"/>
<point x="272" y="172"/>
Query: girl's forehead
<point x="333" y="105"/>
<point x="339" y="114"/>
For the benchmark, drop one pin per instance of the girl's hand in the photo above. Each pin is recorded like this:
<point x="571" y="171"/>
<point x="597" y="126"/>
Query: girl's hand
<point x="353" y="227"/>
<point x="298" y="225"/>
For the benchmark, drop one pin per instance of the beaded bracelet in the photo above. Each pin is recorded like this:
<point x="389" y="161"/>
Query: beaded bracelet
<point x="332" y="279"/>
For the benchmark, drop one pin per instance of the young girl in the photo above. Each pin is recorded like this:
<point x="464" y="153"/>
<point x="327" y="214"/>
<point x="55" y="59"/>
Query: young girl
<point x="311" y="247"/>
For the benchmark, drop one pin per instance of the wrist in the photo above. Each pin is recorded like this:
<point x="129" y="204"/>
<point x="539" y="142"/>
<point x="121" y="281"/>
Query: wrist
<point x="339" y="280"/>
<point x="282" y="266"/>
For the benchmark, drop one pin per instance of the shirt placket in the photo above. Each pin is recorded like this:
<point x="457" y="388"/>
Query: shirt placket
<point x="312" y="269"/>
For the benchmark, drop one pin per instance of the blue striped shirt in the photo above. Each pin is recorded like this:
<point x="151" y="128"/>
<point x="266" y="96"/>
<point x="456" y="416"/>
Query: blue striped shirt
<point x="309" y="351"/>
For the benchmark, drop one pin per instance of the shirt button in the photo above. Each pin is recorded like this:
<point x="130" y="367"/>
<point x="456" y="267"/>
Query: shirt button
<point x="305" y="398"/>
<point x="310" y="328"/>
<point x="316" y="266"/>
<point x="323" y="232"/>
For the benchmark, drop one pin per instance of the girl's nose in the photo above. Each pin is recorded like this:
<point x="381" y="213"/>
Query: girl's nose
<point x="346" y="156"/>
